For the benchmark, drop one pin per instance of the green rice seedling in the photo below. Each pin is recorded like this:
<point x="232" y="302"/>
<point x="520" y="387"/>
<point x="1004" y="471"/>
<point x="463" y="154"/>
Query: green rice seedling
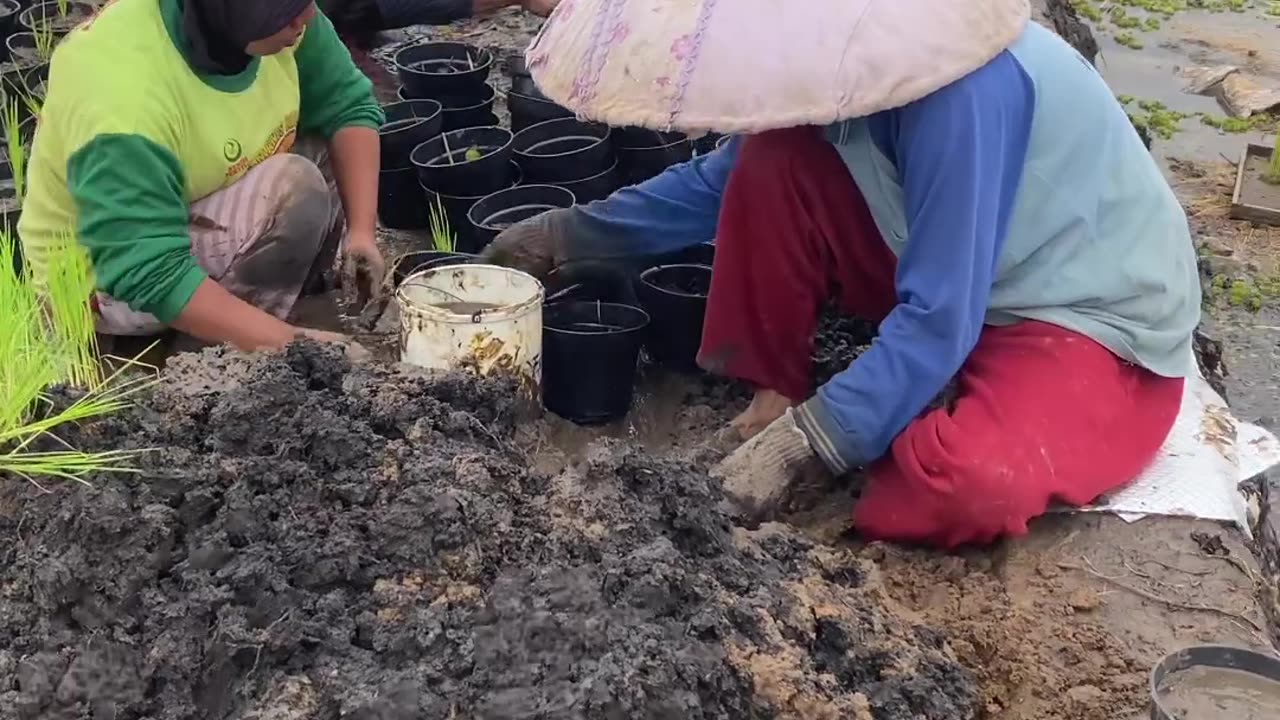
<point x="1272" y="175"/>
<point x="443" y="238"/>
<point x="14" y="145"/>
<point x="45" y="40"/>
<point x="47" y="342"/>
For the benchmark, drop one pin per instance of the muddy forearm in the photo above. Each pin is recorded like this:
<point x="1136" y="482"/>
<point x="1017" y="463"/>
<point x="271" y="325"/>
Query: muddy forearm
<point x="215" y="315"/>
<point x="354" y="153"/>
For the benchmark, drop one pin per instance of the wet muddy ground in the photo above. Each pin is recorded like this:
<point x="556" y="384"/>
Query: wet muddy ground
<point x="319" y="542"/>
<point x="314" y="541"/>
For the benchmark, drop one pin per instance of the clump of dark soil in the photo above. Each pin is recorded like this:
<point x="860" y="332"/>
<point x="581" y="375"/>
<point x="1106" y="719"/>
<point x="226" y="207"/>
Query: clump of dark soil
<point x="309" y="540"/>
<point x="837" y="342"/>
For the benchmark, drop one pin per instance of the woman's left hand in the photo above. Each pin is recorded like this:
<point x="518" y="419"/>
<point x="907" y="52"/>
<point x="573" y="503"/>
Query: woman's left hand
<point x="363" y="267"/>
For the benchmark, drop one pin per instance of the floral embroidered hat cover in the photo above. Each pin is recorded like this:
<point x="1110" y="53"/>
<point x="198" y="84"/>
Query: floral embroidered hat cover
<point x="737" y="66"/>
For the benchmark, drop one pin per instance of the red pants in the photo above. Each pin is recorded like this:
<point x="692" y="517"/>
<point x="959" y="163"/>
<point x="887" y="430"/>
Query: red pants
<point x="1042" y="413"/>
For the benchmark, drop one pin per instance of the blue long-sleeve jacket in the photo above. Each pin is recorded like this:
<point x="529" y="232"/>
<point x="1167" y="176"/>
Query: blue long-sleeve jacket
<point x="960" y="154"/>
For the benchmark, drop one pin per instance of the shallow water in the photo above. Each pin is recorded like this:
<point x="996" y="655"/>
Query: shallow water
<point x="1248" y="40"/>
<point x="1209" y="693"/>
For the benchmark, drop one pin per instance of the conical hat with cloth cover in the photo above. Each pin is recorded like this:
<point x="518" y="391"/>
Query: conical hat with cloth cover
<point x="737" y="66"/>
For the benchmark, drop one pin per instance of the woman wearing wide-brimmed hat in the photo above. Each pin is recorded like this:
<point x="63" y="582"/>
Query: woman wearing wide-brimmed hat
<point x="948" y="169"/>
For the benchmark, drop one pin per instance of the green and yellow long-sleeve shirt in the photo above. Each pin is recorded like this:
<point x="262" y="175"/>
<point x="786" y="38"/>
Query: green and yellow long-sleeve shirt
<point x="130" y="135"/>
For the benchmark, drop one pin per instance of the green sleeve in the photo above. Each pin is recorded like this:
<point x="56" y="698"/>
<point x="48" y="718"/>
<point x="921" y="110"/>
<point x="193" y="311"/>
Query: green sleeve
<point x="133" y="220"/>
<point x="335" y="94"/>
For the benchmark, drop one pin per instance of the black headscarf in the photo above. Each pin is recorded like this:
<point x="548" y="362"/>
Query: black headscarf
<point x="217" y="31"/>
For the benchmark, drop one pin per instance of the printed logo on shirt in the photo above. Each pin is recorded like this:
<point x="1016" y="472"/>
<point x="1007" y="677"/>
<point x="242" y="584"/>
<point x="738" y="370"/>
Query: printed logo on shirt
<point x="231" y="150"/>
<point x="279" y="141"/>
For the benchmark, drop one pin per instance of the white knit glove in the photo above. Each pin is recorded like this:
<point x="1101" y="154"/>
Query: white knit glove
<point x="762" y="474"/>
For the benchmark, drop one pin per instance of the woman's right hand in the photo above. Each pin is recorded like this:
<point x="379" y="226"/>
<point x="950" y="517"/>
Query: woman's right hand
<point x="533" y="245"/>
<point x="355" y="351"/>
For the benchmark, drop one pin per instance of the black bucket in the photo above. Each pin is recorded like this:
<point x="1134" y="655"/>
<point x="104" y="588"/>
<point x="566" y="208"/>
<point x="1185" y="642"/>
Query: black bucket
<point x="643" y="154"/>
<point x="594" y="188"/>
<point x="675" y="296"/>
<point x="563" y="150"/>
<point x="529" y="110"/>
<point x="443" y="165"/>
<point x="401" y="202"/>
<point x="409" y="124"/>
<point x="432" y="70"/>
<point x="413" y="262"/>
<point x="589" y="355"/>
<point x="494" y="213"/>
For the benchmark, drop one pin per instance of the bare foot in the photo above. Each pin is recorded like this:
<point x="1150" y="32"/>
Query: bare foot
<point x="766" y="406"/>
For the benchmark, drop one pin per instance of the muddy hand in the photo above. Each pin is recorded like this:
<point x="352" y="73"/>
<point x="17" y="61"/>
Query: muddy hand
<point x="364" y="269"/>
<point x="356" y="353"/>
<point x="764" y="472"/>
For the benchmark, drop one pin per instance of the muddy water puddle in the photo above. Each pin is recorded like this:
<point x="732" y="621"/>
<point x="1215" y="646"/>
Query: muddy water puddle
<point x="1247" y="40"/>
<point x="1209" y="693"/>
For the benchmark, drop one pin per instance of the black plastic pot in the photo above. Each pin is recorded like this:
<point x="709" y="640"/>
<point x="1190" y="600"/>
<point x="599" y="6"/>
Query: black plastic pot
<point x="21" y="80"/>
<point x="413" y="262"/>
<point x="432" y="70"/>
<point x="10" y="211"/>
<point x="20" y="47"/>
<point x="530" y="109"/>
<point x="48" y="13"/>
<point x="464" y="111"/>
<point x="595" y="280"/>
<point x="443" y="165"/>
<point x="589" y="355"/>
<point x="408" y="125"/>
<point x="9" y="11"/>
<point x="597" y="187"/>
<point x="700" y="254"/>
<point x="494" y="213"/>
<point x="563" y="150"/>
<point x="457" y="207"/>
<point x="401" y="202"/>
<point x="707" y="143"/>
<point x="643" y="154"/>
<point x="675" y="296"/>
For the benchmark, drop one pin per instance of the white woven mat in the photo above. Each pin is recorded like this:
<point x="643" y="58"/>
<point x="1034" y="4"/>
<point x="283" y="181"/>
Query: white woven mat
<point x="1198" y="472"/>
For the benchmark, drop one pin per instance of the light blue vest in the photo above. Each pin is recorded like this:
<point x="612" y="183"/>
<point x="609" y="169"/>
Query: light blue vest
<point x="1097" y="243"/>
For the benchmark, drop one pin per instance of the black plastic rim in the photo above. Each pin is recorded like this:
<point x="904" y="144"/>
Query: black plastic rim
<point x="647" y="277"/>
<point x="597" y="132"/>
<point x="1216" y="656"/>
<point x="667" y="139"/>
<point x="424" y="110"/>
<point x="638" y="316"/>
<point x="483" y="56"/>
<point x="496" y="132"/>
<point x="516" y="178"/>
<point x="479" y="214"/>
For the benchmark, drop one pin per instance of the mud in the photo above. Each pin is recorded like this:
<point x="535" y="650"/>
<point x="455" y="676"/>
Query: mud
<point x="308" y="540"/>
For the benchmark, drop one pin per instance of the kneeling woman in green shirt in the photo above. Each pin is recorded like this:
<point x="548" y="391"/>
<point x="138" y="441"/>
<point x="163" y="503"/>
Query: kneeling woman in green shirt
<point x="212" y="157"/>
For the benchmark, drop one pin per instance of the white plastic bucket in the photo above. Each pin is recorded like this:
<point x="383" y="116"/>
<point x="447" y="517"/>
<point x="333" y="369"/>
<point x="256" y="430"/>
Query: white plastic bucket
<point x="502" y="338"/>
